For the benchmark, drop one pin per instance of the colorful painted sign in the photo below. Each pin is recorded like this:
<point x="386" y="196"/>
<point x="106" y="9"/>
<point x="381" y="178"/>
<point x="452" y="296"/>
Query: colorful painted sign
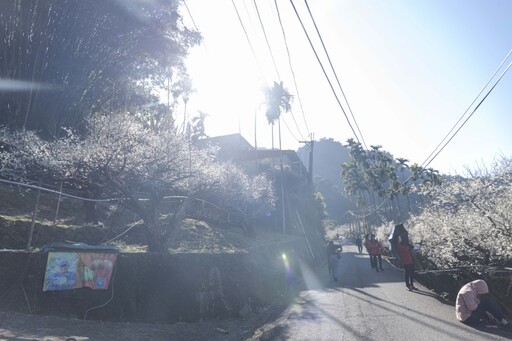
<point x="73" y="270"/>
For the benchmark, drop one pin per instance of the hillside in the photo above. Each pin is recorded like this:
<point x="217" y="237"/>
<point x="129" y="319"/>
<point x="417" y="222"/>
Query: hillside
<point x="117" y="226"/>
<point x="328" y="156"/>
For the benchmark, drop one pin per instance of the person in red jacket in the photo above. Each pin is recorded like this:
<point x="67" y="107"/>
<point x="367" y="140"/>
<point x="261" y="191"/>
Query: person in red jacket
<point x="375" y="251"/>
<point x="404" y="250"/>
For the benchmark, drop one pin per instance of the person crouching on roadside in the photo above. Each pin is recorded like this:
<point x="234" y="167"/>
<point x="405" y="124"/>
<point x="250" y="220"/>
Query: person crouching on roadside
<point x="473" y="303"/>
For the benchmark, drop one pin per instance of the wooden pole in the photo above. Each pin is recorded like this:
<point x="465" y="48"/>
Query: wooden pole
<point x="31" y="231"/>
<point x="58" y="205"/>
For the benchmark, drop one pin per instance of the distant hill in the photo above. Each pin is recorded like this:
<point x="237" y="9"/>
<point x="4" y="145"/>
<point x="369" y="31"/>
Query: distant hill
<point x="328" y="156"/>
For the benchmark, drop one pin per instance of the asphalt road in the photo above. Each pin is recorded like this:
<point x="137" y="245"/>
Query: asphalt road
<point x="369" y="305"/>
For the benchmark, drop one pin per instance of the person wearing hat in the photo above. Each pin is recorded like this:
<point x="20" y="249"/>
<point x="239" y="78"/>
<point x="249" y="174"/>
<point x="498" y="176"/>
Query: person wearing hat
<point x="63" y="279"/>
<point x="473" y="304"/>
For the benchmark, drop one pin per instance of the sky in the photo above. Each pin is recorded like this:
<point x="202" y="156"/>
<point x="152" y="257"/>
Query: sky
<point x="408" y="69"/>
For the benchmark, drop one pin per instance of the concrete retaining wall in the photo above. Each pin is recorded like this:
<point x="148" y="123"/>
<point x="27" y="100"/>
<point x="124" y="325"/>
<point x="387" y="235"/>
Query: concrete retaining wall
<point x="156" y="287"/>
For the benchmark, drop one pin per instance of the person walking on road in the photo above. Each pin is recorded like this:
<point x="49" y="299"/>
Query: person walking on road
<point x="336" y="263"/>
<point x="473" y="304"/>
<point x="330" y="251"/>
<point x="367" y="247"/>
<point x="359" y="243"/>
<point x="404" y="250"/>
<point x="375" y="251"/>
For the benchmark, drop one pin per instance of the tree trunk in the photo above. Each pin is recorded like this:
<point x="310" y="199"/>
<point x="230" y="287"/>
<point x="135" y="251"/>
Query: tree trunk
<point x="400" y="216"/>
<point x="393" y="208"/>
<point x="90" y="212"/>
<point x="154" y="237"/>
<point x="154" y="234"/>
<point x="90" y="209"/>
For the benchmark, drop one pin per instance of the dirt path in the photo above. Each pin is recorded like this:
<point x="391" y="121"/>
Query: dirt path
<point x="20" y="327"/>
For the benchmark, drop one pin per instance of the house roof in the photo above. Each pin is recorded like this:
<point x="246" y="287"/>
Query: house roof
<point x="235" y="147"/>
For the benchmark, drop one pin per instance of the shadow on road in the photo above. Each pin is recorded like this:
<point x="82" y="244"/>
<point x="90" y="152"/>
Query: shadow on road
<point x="499" y="331"/>
<point x="434" y="295"/>
<point x="360" y="285"/>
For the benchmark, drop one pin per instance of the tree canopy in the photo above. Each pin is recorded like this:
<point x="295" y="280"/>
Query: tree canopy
<point x="72" y="58"/>
<point x="375" y="174"/>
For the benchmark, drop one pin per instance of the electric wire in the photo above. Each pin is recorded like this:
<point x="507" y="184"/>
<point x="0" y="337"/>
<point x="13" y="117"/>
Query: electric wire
<point x="466" y="111"/>
<point x="109" y="300"/>
<point x="266" y="39"/>
<point x="46" y="189"/>
<point x="325" y="73"/>
<point x="472" y="113"/>
<point x="57" y="192"/>
<point x="291" y="69"/>
<point x="296" y="125"/>
<point x="249" y="41"/>
<point x="194" y="22"/>
<point x="454" y="134"/>
<point x="276" y="68"/>
<point x="335" y="74"/>
<point x="289" y="130"/>
<point x="180" y="197"/>
<point x="138" y="222"/>
<point x="248" y="14"/>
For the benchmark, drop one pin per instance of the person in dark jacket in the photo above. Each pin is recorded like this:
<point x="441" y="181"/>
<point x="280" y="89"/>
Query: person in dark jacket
<point x="330" y="251"/>
<point x="359" y="243"/>
<point x="336" y="263"/>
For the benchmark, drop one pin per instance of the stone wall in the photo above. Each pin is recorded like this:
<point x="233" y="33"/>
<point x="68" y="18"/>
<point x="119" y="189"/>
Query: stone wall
<point x="156" y="287"/>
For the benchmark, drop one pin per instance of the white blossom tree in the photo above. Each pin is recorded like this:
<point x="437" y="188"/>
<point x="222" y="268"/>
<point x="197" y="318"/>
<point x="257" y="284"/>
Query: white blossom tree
<point x="124" y="157"/>
<point x="469" y="221"/>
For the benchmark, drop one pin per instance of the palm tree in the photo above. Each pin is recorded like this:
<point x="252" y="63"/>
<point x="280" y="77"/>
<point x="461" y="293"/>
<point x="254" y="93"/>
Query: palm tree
<point x="278" y="100"/>
<point x="406" y="186"/>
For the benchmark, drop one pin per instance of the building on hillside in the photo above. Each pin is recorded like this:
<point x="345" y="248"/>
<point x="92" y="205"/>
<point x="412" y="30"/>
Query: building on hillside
<point x="231" y="147"/>
<point x="237" y="149"/>
<point x="294" y="213"/>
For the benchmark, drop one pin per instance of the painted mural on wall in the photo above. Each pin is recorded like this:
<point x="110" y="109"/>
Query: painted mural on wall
<point x="73" y="270"/>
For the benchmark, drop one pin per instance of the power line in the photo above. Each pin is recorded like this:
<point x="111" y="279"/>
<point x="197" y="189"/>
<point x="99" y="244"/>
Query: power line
<point x="266" y="39"/>
<point x="291" y="69"/>
<point x="249" y="41"/>
<point x="296" y="125"/>
<point x="455" y="133"/>
<point x="194" y="22"/>
<point x="334" y="72"/>
<point x="57" y="192"/>
<point x="275" y="66"/>
<point x="325" y="73"/>
<point x="466" y="111"/>
<point x="474" y="110"/>
<point x="289" y="130"/>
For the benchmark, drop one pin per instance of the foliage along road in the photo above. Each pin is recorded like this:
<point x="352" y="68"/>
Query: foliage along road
<point x="369" y="305"/>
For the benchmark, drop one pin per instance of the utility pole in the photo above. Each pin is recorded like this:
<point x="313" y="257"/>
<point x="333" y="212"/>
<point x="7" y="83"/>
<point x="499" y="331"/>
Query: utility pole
<point x="283" y="211"/>
<point x="310" y="144"/>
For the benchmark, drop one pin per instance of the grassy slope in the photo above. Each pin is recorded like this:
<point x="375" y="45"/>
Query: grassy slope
<point x="17" y="205"/>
